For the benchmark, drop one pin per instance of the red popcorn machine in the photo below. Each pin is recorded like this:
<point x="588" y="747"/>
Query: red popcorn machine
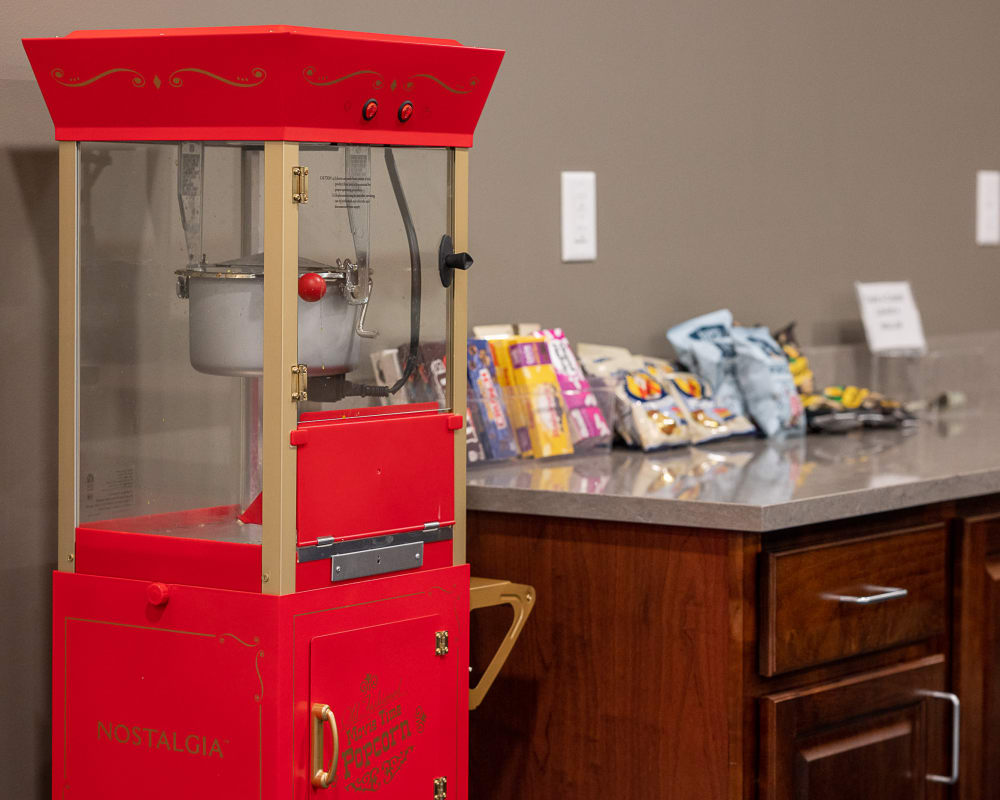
<point x="261" y="587"/>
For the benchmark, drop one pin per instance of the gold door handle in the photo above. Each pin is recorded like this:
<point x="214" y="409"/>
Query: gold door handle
<point x="484" y="593"/>
<point x="322" y="713"/>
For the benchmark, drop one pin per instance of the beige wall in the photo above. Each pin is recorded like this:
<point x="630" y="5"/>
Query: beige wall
<point x="760" y="155"/>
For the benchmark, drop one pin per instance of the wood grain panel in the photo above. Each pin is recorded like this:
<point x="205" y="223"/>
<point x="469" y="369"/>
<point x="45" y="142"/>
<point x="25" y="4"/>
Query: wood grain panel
<point x="869" y="735"/>
<point x="618" y="686"/>
<point x="976" y="648"/>
<point x="803" y="626"/>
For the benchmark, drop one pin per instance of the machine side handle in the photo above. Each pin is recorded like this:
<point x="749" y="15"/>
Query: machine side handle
<point x="486" y="593"/>
<point x="321" y="714"/>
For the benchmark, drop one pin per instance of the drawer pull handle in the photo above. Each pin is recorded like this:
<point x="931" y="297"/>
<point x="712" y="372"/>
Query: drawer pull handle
<point x="956" y="708"/>
<point x="879" y="595"/>
<point x="321" y="714"/>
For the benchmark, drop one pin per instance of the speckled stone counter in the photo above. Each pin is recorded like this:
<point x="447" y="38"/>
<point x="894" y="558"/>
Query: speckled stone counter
<point x="756" y="485"/>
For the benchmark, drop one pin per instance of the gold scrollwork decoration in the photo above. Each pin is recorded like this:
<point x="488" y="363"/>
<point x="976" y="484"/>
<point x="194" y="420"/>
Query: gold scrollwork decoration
<point x="260" y="678"/>
<point x="311" y="77"/>
<point x="234" y="637"/>
<point x="256" y="78"/>
<point x="441" y="83"/>
<point x="59" y="76"/>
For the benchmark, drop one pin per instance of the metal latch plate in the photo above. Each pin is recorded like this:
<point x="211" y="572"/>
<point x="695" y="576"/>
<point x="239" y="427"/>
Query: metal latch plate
<point x="440" y="788"/>
<point x="376" y="561"/>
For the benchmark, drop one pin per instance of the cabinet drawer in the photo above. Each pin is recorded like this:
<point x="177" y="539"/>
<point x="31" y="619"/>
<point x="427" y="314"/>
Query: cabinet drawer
<point x="825" y="602"/>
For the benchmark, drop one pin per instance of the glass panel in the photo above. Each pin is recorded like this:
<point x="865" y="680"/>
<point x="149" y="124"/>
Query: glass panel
<point x="169" y="387"/>
<point x="373" y="313"/>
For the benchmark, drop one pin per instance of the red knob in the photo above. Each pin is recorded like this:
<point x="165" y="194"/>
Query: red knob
<point x="312" y="287"/>
<point x="157" y="594"/>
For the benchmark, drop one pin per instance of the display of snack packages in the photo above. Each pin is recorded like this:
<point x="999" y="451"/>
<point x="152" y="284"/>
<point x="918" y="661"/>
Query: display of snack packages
<point x="486" y="403"/>
<point x="706" y="347"/>
<point x="766" y="381"/>
<point x="587" y="424"/>
<point x="649" y="415"/>
<point x="542" y="409"/>
<point x="708" y="419"/>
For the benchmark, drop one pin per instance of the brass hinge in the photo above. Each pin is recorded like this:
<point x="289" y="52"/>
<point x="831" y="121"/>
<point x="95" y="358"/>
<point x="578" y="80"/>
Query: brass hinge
<point x="300" y="380"/>
<point x="440" y="788"/>
<point x="441" y="643"/>
<point x="300" y="184"/>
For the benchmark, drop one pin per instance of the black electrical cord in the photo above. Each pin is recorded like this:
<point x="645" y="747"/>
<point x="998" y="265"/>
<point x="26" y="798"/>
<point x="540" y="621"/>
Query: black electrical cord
<point x="413" y="355"/>
<point x="346" y="388"/>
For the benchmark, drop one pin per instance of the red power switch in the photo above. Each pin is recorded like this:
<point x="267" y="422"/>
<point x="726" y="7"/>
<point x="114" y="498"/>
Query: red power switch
<point x="405" y="111"/>
<point x="370" y="110"/>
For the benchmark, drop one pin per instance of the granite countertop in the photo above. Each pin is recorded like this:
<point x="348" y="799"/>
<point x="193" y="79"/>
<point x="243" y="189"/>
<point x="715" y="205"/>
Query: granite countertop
<point x="753" y="484"/>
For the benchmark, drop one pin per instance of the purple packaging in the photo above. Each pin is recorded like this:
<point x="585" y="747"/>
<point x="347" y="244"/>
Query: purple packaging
<point x="587" y="424"/>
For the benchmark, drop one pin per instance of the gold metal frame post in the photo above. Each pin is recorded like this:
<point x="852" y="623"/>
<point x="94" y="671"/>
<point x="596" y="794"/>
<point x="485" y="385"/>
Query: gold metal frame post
<point x="69" y="331"/>
<point x="458" y="320"/>
<point x="281" y="251"/>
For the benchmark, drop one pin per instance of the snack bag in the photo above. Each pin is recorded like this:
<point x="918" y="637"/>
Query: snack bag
<point x="474" y="450"/>
<point x="486" y="403"/>
<point x="533" y="376"/>
<point x="767" y="383"/>
<point x="517" y="409"/>
<point x="706" y="347"/>
<point x="422" y="385"/>
<point x="586" y="422"/>
<point x="797" y="362"/>
<point x="605" y="361"/>
<point x="708" y="419"/>
<point x="651" y="414"/>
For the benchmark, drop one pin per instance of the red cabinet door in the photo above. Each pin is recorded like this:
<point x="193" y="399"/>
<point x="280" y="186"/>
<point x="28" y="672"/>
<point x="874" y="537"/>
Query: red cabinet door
<point x="393" y="699"/>
<point x="375" y="654"/>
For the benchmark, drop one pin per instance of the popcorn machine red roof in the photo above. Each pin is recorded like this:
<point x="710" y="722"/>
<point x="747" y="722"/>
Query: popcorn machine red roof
<point x="261" y="587"/>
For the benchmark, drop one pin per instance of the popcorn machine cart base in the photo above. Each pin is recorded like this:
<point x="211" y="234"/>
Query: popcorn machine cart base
<point x="225" y="692"/>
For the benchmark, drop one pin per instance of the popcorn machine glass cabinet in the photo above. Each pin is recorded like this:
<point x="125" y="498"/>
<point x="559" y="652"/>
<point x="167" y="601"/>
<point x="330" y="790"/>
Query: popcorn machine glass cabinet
<point x="164" y="446"/>
<point x="373" y="312"/>
<point x="172" y="317"/>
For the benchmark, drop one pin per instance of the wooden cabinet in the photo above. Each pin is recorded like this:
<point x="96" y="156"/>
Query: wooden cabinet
<point x="977" y="652"/>
<point x="877" y="734"/>
<point x="666" y="662"/>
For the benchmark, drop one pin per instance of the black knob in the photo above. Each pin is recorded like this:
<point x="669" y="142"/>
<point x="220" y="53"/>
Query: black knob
<point x="449" y="260"/>
<point x="458" y="261"/>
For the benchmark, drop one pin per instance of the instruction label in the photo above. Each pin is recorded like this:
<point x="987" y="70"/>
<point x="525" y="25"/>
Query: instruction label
<point x="350" y="192"/>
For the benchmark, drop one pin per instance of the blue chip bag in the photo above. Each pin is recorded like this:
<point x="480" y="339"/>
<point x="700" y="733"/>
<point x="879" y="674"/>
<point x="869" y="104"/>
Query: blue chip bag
<point x="706" y="347"/>
<point x="767" y="383"/>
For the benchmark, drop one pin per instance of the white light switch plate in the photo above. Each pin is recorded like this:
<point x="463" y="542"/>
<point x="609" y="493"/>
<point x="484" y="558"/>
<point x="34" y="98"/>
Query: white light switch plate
<point x="579" y="216"/>
<point x="987" y="207"/>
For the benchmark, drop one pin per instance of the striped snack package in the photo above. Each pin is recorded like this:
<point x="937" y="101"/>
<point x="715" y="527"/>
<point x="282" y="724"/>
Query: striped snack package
<point x="587" y="425"/>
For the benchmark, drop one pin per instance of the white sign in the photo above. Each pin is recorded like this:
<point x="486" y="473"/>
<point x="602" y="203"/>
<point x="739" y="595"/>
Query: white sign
<point x="891" y="319"/>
